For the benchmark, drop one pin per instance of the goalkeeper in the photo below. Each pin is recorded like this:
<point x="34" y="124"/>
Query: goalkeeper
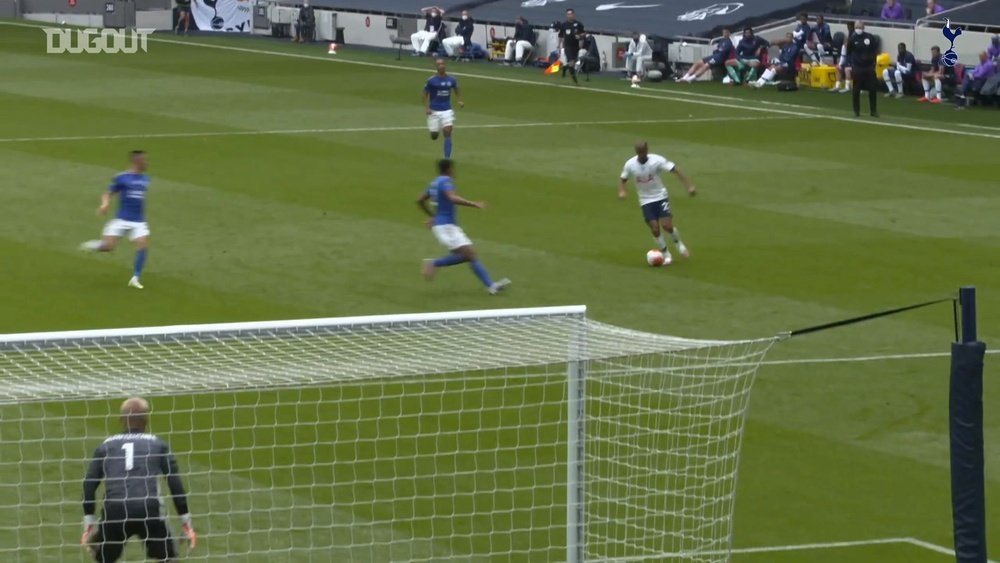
<point x="130" y="465"/>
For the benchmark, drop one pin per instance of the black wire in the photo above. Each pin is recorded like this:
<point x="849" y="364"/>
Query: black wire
<point x="869" y="317"/>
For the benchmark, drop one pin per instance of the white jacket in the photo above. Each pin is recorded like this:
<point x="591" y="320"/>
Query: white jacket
<point x="640" y="48"/>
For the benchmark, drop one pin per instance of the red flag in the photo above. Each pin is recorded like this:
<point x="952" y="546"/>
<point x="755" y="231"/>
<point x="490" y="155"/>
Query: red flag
<point x="553" y="68"/>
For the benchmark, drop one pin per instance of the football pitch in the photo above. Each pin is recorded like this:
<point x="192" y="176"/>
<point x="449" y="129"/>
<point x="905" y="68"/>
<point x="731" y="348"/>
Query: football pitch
<point x="283" y="186"/>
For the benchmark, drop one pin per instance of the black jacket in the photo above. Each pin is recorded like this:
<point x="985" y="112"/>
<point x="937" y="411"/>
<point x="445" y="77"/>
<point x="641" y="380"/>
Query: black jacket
<point x="523" y="32"/>
<point x="862" y="50"/>
<point x="307" y="15"/>
<point x="433" y="24"/>
<point x="465" y="29"/>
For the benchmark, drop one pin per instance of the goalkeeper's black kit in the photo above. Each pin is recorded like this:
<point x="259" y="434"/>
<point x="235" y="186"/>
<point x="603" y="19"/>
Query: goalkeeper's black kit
<point x="130" y="466"/>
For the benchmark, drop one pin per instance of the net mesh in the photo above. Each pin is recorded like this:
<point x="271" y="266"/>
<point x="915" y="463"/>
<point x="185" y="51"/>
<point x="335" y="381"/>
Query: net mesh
<point x="390" y="440"/>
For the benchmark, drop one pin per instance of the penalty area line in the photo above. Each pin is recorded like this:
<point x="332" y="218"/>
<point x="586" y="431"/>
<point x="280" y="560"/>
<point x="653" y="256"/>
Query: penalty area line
<point x="935" y="548"/>
<point x="767" y="549"/>
<point x="319" y="131"/>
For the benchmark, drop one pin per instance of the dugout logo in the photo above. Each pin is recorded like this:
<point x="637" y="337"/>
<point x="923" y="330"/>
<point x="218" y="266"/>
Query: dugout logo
<point x="950" y="57"/>
<point x="713" y="10"/>
<point x="95" y="41"/>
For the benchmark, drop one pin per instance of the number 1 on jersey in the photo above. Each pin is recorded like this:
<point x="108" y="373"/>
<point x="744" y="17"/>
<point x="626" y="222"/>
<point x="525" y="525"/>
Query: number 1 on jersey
<point x="129" y="448"/>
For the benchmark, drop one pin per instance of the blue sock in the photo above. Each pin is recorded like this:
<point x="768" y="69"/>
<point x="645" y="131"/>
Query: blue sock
<point x="447" y="147"/>
<point x="481" y="273"/>
<point x="449" y="260"/>
<point x="140" y="261"/>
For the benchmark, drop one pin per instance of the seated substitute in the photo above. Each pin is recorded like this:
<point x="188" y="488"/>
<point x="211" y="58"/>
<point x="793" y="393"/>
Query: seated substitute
<point x="803" y="37"/>
<point x="305" y="26"/>
<point x="432" y="29"/>
<point x="638" y="54"/>
<point x="522" y="43"/>
<point x="823" y="37"/>
<point x="784" y="65"/>
<point x="844" y="64"/>
<point x="462" y="40"/>
<point x="935" y="73"/>
<point x="723" y="49"/>
<point x="903" y="70"/>
<point x="748" y="54"/>
<point x="974" y="81"/>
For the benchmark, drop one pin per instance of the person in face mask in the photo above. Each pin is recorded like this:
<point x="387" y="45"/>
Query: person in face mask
<point x="639" y="52"/>
<point x="463" y="36"/>
<point x="422" y="39"/>
<point x="306" y="24"/>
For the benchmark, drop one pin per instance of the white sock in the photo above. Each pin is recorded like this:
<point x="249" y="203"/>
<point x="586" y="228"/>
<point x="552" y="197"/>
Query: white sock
<point x="768" y="75"/>
<point x="847" y="84"/>
<point x="927" y="87"/>
<point x="91" y="245"/>
<point x="676" y="236"/>
<point x="837" y="86"/>
<point x="937" y="87"/>
<point x="661" y="243"/>
<point x="891" y="87"/>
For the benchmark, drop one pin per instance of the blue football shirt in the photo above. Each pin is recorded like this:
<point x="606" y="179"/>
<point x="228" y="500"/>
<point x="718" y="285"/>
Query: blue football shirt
<point x="445" y="209"/>
<point x="131" y="189"/>
<point x="439" y="88"/>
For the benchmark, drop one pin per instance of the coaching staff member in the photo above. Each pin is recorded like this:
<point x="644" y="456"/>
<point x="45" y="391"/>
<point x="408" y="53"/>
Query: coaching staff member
<point x="130" y="465"/>
<point x="569" y="41"/>
<point x="862" y="50"/>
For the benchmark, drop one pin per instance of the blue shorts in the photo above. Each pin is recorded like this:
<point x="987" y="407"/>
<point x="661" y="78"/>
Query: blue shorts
<point x="711" y="60"/>
<point x="656" y="210"/>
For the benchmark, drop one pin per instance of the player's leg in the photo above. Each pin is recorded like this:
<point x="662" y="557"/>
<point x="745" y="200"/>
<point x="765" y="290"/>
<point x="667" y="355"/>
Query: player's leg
<point x="651" y="216"/>
<point x="469" y="253"/>
<point x="937" y="88"/>
<point x="887" y="78"/>
<point x="925" y="82"/>
<point x="733" y="68"/>
<point x="452" y="238"/>
<point x="159" y="542"/>
<point x="447" y="123"/>
<point x="108" y="542"/>
<point x="114" y="230"/>
<point x="520" y="50"/>
<point x="434" y="125"/>
<point x="508" y="52"/>
<point x="141" y="249"/>
<point x="856" y="96"/>
<point x="667" y="225"/>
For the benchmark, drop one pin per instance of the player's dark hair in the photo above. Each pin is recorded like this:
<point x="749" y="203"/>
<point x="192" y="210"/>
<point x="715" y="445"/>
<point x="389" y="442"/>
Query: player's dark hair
<point x="570" y="10"/>
<point x="804" y="15"/>
<point x="136" y="153"/>
<point x="936" y="48"/>
<point x="444" y="166"/>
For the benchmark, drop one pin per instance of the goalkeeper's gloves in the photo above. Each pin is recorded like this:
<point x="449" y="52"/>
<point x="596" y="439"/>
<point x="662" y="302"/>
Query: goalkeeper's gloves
<point x="188" y="530"/>
<point x="89" y="521"/>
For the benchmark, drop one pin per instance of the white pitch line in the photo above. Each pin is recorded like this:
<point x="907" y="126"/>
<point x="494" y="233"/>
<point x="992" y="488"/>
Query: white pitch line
<point x="935" y="547"/>
<point x="859" y="359"/>
<point x="668" y="96"/>
<point x="767" y="549"/>
<point x="238" y="133"/>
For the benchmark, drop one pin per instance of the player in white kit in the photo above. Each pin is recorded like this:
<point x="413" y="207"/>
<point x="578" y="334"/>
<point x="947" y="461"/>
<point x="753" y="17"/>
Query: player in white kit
<point x="646" y="169"/>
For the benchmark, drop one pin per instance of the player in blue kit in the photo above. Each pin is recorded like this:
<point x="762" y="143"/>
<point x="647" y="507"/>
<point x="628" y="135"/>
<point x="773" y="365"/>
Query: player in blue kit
<point x="437" y="104"/>
<point x="441" y="195"/>
<point x="130" y="187"/>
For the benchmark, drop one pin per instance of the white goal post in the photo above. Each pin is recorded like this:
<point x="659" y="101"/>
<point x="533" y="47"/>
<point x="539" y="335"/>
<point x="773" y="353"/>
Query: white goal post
<point x="515" y="434"/>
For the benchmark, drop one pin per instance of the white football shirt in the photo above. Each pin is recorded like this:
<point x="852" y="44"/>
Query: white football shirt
<point x="648" y="184"/>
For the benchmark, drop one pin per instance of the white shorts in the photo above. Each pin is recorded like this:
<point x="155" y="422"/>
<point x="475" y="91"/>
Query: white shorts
<point x="438" y="120"/>
<point x="120" y="227"/>
<point x="451" y="237"/>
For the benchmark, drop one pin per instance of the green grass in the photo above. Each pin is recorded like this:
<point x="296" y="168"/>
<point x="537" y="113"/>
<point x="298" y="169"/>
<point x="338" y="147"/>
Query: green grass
<point x="799" y="220"/>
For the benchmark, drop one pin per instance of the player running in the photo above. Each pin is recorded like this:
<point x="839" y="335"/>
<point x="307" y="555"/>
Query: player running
<point x="130" y="187"/>
<point x="441" y="194"/>
<point x="653" y="198"/>
<point x="437" y="104"/>
<point x="130" y="465"/>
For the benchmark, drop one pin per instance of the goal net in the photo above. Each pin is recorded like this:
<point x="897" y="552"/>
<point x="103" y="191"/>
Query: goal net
<point x="513" y="435"/>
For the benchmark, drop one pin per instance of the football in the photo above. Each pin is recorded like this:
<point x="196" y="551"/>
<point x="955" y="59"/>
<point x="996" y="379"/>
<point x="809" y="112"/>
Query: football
<point x="654" y="258"/>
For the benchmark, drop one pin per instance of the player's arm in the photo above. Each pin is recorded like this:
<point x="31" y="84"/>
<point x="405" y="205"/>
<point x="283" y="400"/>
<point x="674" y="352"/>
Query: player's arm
<point x="684" y="180"/>
<point x="427" y="100"/>
<point x="622" y="181"/>
<point x="458" y="95"/>
<point x="459" y="200"/>
<point x="170" y="469"/>
<point x="91" y="481"/>
<point x="422" y="203"/>
<point x="113" y="189"/>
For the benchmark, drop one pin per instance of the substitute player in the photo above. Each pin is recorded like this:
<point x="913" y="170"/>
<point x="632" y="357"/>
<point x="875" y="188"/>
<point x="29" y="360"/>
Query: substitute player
<point x="646" y="168"/>
<point x="441" y="194"/>
<point x="130" y="465"/>
<point x="437" y="104"/>
<point x="130" y="187"/>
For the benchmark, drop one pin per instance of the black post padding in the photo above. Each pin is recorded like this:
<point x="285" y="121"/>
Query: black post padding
<point x="968" y="490"/>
